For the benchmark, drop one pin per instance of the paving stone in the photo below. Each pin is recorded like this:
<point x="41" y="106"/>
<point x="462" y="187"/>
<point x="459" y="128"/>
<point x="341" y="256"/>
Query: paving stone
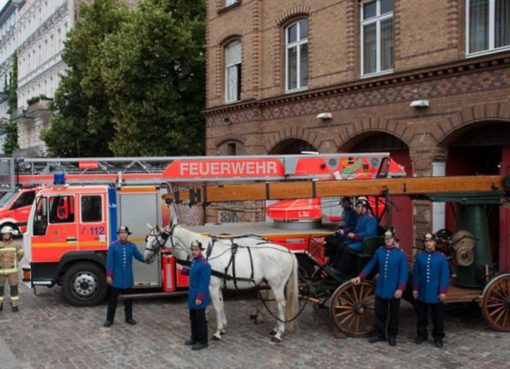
<point x="49" y="333"/>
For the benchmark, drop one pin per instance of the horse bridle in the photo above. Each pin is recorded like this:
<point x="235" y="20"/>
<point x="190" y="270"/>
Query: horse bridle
<point x="165" y="236"/>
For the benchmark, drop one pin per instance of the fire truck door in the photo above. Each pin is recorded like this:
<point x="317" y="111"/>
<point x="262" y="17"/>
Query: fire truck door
<point x="92" y="226"/>
<point x="54" y="228"/>
<point x="137" y="207"/>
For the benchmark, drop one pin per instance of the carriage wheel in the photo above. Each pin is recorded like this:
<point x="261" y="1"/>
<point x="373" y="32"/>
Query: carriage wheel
<point x="496" y="302"/>
<point x="352" y="308"/>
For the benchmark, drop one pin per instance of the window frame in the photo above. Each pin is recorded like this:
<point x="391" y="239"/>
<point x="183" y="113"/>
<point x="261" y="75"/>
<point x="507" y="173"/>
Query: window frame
<point x="229" y="3"/>
<point x="297" y="44"/>
<point x="377" y="19"/>
<point x="491" y="49"/>
<point x="52" y="214"/>
<point x="239" y="71"/>
<point x="100" y="220"/>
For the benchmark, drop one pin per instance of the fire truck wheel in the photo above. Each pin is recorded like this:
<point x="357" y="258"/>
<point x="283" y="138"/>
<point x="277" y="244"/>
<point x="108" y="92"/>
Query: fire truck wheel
<point x="84" y="284"/>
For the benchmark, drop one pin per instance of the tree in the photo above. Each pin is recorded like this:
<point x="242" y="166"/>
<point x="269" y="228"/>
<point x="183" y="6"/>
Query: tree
<point x="82" y="124"/>
<point x="154" y="73"/>
<point x="11" y="139"/>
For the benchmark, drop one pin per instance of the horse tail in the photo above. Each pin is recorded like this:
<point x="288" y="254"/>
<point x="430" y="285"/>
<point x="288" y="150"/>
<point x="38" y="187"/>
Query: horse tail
<point x="292" y="295"/>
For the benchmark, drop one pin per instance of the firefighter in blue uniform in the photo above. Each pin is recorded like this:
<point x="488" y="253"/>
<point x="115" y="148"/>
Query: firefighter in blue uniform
<point x="349" y="216"/>
<point x="391" y="264"/>
<point x="198" y="296"/>
<point x="347" y="224"/>
<point x="119" y="274"/>
<point x="366" y="226"/>
<point x="430" y="284"/>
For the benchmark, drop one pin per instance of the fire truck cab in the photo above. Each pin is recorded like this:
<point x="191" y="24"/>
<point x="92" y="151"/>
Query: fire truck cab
<point x="15" y="208"/>
<point x="70" y="228"/>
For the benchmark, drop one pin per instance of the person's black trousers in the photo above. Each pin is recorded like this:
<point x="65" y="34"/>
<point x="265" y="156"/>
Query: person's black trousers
<point x="386" y="311"/>
<point x="112" y="303"/>
<point x="437" y="312"/>
<point x="198" y="326"/>
<point x="345" y="260"/>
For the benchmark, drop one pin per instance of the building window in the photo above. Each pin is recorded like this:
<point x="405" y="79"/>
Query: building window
<point x="488" y="25"/>
<point x="296" y="55"/>
<point x="377" y="37"/>
<point x="230" y="148"/>
<point x="233" y="72"/>
<point x="230" y="2"/>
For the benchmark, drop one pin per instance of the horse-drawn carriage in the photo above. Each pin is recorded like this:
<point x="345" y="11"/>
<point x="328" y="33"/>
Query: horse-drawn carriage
<point x="473" y="275"/>
<point x="351" y="307"/>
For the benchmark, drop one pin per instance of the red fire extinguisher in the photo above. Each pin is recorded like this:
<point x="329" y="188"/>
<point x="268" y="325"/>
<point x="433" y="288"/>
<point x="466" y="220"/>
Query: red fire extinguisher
<point x="168" y="262"/>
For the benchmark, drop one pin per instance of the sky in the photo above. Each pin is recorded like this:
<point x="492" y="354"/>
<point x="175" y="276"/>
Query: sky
<point x="2" y="3"/>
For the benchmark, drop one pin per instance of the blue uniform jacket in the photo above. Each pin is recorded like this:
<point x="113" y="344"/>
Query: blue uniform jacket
<point x="391" y="264"/>
<point x="199" y="278"/>
<point x="119" y="263"/>
<point x="350" y="219"/>
<point x="430" y="276"/>
<point x="365" y="227"/>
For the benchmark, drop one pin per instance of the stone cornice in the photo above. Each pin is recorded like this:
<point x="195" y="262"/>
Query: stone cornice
<point x="446" y="70"/>
<point x="53" y="19"/>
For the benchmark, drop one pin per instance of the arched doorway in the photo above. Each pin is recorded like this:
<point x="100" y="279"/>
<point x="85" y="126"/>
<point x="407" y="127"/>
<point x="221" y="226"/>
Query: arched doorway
<point x="401" y="206"/>
<point x="483" y="148"/>
<point x="292" y="146"/>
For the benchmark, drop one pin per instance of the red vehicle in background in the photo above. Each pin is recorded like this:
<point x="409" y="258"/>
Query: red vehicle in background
<point x="15" y="208"/>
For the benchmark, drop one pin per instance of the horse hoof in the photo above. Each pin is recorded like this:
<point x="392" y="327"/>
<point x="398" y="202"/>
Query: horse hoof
<point x="253" y="316"/>
<point x="272" y="333"/>
<point x="222" y="333"/>
<point x="276" y="340"/>
<point x="216" y="338"/>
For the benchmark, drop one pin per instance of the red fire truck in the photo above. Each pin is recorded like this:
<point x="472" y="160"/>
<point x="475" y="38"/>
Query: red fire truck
<point x="71" y="224"/>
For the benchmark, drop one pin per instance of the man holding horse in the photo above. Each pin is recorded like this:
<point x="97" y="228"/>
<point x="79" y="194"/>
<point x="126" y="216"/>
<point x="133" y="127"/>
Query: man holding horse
<point x="198" y="296"/>
<point x="391" y="265"/>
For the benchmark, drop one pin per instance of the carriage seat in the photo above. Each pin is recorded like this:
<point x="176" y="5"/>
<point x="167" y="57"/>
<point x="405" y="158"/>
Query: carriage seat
<point x="370" y="244"/>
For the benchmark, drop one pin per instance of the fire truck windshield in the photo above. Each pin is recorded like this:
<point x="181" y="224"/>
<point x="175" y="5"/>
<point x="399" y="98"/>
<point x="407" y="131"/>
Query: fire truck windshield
<point x="6" y="199"/>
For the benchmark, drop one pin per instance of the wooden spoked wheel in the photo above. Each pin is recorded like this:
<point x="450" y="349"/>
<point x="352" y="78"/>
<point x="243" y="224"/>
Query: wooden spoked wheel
<point x="352" y="308"/>
<point x="496" y="302"/>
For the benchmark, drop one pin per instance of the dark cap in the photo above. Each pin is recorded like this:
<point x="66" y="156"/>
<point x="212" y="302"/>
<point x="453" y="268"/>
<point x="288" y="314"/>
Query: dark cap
<point x="362" y="201"/>
<point x="346" y="198"/>
<point x="390" y="232"/>
<point x="429" y="237"/>
<point x="196" y="245"/>
<point x="123" y="228"/>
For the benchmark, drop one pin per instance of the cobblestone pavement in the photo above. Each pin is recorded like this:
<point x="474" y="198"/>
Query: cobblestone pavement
<point x="48" y="333"/>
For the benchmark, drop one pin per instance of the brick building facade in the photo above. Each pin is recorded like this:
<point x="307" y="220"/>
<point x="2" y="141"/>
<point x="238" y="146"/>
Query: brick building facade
<point x="427" y="81"/>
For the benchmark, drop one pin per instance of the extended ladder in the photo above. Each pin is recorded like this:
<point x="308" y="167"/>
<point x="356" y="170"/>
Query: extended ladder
<point x="17" y="172"/>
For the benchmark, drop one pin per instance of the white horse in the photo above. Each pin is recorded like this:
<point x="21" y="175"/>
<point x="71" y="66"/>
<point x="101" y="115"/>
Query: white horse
<point x="239" y="263"/>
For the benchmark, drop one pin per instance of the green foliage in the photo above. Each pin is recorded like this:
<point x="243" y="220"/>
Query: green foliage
<point x="11" y="138"/>
<point x="12" y="97"/>
<point x="154" y="73"/>
<point x="135" y="81"/>
<point x="82" y="124"/>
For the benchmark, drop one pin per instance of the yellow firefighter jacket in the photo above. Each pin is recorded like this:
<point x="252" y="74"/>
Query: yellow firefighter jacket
<point x="11" y="253"/>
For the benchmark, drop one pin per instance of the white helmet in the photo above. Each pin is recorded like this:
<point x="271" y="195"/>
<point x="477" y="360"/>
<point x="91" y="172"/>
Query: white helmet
<point x="7" y="229"/>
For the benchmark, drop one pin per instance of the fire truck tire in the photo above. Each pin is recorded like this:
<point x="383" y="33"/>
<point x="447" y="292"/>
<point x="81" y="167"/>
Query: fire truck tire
<point x="84" y="284"/>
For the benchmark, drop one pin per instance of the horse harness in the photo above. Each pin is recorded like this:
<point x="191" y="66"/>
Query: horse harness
<point x="232" y="261"/>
